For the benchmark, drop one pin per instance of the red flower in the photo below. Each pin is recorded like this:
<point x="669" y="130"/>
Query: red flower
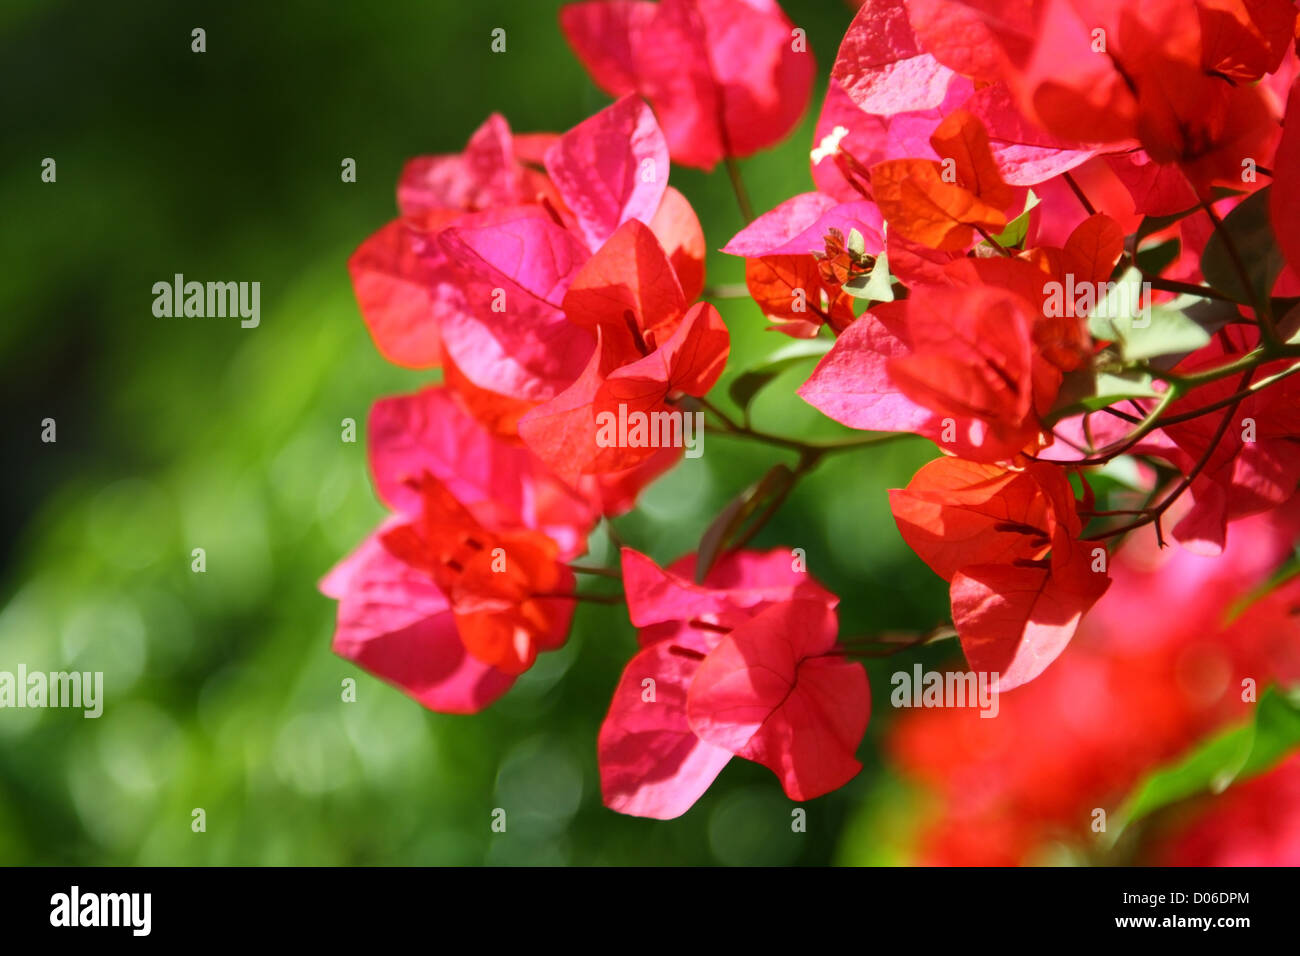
<point x="651" y="348"/>
<point x="427" y="602"/>
<point x="1166" y="74"/>
<point x="1284" y="208"/>
<point x="888" y="93"/>
<point x="986" y="164"/>
<point x="971" y="359"/>
<point x="395" y="622"/>
<point x="741" y="666"/>
<point x="474" y="273"/>
<point x="1008" y="543"/>
<point x="505" y="486"/>
<point x="401" y="279"/>
<point x="726" y="77"/>
<point x="796" y="260"/>
<point x="799" y="226"/>
<point x="1252" y="458"/>
<point x="500" y="585"/>
<point x="1157" y="664"/>
<point x="940" y="205"/>
<point x="1255" y="823"/>
<point x="792" y="291"/>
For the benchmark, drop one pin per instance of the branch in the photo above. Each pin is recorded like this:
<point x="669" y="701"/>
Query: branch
<point x="738" y="187"/>
<point x="1156" y="513"/>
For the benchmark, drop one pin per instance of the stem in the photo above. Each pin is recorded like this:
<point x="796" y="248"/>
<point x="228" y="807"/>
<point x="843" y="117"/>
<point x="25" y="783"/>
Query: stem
<point x="734" y="290"/>
<point x="1156" y="513"/>
<point x="1250" y="360"/>
<point x="574" y="596"/>
<point x="1079" y="194"/>
<point x="882" y="647"/>
<point x="590" y="569"/>
<point x="1090" y="450"/>
<point x="1125" y="416"/>
<point x="807" y="462"/>
<point x="991" y="241"/>
<point x="1087" y="434"/>
<point x="615" y="538"/>
<point x="733" y="427"/>
<point x="1183" y="288"/>
<point x="738" y="187"/>
<point x="1230" y="399"/>
<point x="1117" y="448"/>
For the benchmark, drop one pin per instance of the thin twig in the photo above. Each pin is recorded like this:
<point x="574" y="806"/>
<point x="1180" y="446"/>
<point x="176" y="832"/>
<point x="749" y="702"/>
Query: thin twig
<point x="1156" y="513"/>
<point x="1079" y="194"/>
<point x="738" y="187"/>
<point x="575" y="596"/>
<point x="732" y="427"/>
<point x="591" y="569"/>
<point x="732" y="290"/>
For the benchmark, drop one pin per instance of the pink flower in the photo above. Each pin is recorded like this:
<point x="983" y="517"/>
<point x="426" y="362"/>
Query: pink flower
<point x="473" y="275"/>
<point x="743" y="665"/>
<point x="652" y="347"/>
<point x="726" y="77"/>
<point x="419" y="603"/>
<point x="395" y="622"/>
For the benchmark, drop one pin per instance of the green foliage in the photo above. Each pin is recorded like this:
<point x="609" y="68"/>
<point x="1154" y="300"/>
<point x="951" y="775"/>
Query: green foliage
<point x="1261" y="258"/>
<point x="876" y="286"/>
<point x="1087" y="390"/>
<point x="1147" y="331"/>
<point x="1013" y="236"/>
<point x="221" y="689"/>
<point x="1231" y="756"/>
<point x="749" y="383"/>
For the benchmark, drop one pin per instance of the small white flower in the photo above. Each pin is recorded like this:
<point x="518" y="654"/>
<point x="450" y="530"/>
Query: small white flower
<point x="830" y="145"/>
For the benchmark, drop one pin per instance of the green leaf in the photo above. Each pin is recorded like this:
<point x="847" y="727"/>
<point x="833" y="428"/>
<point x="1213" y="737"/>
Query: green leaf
<point x="1084" y="390"/>
<point x="1289" y="326"/>
<point x="1153" y="224"/>
<point x="1143" y="331"/>
<point x="1233" y="755"/>
<point x="1112" y="387"/>
<point x="1101" y="323"/>
<point x="1209" y="314"/>
<point x="1016" y="230"/>
<point x="1153" y="260"/>
<point x="856" y="244"/>
<point x="750" y="382"/>
<point x="1252" y="236"/>
<point x="1123" y="470"/>
<point x="729" y="526"/>
<point x="1170" y="332"/>
<point x="878" y="286"/>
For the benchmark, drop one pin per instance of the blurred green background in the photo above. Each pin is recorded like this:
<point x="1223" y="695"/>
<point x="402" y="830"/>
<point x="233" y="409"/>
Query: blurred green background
<point x="221" y="690"/>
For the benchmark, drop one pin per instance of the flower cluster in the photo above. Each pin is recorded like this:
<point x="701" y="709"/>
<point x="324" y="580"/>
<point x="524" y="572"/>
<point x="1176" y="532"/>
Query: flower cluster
<point x="1138" y="686"/>
<point x="1060" y="239"/>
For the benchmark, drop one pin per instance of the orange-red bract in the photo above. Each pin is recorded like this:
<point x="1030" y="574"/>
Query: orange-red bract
<point x="1007" y="540"/>
<point x="972" y="356"/>
<point x="790" y="290"/>
<point x="629" y="291"/>
<point x="502" y="586"/>
<point x="941" y="204"/>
